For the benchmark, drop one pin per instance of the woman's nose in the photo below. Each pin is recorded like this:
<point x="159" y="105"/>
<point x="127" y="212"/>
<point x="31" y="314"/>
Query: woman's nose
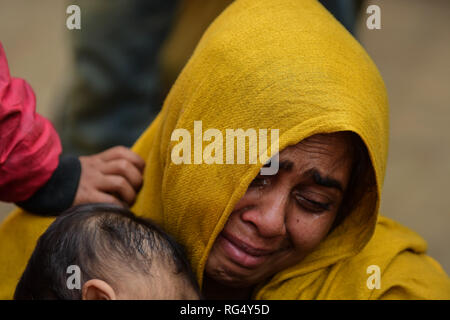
<point x="268" y="214"/>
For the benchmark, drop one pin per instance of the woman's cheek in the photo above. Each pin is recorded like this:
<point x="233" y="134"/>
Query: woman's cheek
<point x="308" y="230"/>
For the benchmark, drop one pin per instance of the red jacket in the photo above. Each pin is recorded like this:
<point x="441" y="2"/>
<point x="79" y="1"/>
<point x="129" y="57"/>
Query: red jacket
<point x="29" y="145"/>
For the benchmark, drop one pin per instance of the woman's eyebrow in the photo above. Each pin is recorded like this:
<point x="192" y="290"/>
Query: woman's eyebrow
<point x="324" y="181"/>
<point x="283" y="165"/>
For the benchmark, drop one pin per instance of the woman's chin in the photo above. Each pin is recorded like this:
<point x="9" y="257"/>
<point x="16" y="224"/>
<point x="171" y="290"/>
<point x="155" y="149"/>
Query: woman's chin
<point x="231" y="275"/>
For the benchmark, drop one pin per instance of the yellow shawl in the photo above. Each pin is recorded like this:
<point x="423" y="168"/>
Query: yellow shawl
<point x="274" y="64"/>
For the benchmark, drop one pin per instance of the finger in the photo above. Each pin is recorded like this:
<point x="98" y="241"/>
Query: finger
<point x="101" y="197"/>
<point x="119" y="186"/>
<point x="121" y="152"/>
<point x="126" y="169"/>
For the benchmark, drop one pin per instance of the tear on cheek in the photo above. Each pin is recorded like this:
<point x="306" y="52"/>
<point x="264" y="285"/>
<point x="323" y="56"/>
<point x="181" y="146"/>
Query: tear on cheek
<point x="315" y="216"/>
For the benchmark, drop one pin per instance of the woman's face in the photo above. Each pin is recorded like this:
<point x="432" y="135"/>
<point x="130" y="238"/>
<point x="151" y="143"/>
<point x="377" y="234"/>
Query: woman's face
<point x="281" y="218"/>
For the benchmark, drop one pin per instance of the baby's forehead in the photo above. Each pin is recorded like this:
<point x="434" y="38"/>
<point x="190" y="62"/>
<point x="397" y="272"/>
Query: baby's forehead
<point x="161" y="281"/>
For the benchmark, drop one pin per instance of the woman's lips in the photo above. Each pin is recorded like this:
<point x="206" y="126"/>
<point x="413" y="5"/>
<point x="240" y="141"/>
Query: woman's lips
<point x="242" y="253"/>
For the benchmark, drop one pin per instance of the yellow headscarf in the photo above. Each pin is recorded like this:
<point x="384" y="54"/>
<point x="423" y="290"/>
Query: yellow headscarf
<point x="273" y="64"/>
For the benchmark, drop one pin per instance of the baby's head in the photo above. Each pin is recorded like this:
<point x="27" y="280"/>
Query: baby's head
<point x="116" y="254"/>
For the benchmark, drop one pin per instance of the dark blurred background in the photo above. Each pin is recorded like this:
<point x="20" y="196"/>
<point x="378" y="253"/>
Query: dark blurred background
<point x="412" y="51"/>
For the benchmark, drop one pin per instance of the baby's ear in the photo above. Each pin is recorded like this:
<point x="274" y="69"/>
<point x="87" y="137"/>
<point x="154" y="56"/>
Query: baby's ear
<point x="96" y="289"/>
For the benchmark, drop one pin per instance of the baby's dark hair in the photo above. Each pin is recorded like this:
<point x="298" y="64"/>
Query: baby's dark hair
<point x="96" y="238"/>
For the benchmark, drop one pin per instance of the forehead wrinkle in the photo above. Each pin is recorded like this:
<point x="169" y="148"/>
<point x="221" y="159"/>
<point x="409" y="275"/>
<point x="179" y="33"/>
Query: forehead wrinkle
<point x="313" y="147"/>
<point x="306" y="153"/>
<point x="325" y="144"/>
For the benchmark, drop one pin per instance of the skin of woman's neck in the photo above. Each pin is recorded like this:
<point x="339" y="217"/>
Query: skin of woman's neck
<point x="213" y="290"/>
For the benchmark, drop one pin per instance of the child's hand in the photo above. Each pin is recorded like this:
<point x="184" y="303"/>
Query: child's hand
<point x="113" y="176"/>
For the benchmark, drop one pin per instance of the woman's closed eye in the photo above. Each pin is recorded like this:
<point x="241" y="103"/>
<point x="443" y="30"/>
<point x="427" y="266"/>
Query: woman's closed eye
<point x="311" y="205"/>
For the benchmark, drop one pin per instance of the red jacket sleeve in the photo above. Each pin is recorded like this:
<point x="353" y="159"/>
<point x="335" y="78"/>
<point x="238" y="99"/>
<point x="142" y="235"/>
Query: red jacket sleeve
<point x="29" y="145"/>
